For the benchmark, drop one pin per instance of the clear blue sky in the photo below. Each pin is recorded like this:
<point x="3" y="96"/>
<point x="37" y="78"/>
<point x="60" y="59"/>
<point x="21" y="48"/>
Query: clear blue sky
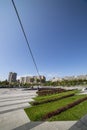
<point x="57" y="33"/>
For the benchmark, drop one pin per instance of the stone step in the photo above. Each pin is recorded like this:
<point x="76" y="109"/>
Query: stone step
<point x="14" y="102"/>
<point x="15" y="98"/>
<point x="13" y="107"/>
<point x="16" y="95"/>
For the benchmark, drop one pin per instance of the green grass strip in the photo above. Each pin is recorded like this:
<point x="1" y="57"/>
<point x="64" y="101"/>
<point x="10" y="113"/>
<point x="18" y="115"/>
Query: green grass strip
<point x="52" y="96"/>
<point x="62" y="109"/>
<point x="36" y="113"/>
<point x="53" y="99"/>
<point x="75" y="113"/>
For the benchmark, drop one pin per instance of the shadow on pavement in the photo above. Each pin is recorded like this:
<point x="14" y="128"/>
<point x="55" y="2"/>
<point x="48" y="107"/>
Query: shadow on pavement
<point x="81" y="124"/>
<point x="28" y="126"/>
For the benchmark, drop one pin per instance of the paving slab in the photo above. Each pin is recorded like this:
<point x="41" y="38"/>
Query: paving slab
<point x="13" y="107"/>
<point x="81" y="124"/>
<point x="16" y="98"/>
<point x="56" y="125"/>
<point x="12" y="120"/>
<point x="12" y="103"/>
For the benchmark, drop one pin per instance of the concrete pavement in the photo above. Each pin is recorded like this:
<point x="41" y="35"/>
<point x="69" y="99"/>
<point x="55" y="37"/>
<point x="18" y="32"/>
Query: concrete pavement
<point x="58" y="125"/>
<point x="81" y="124"/>
<point x="13" y="117"/>
<point x="12" y="104"/>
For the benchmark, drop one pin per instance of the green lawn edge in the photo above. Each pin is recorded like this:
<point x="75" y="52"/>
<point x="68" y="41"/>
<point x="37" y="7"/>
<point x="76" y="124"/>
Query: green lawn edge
<point x="35" y="113"/>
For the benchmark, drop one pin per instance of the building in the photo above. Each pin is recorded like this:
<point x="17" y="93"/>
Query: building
<point x="55" y="79"/>
<point x="23" y="80"/>
<point x="69" y="78"/>
<point x="32" y="79"/>
<point x="82" y="77"/>
<point x="12" y="77"/>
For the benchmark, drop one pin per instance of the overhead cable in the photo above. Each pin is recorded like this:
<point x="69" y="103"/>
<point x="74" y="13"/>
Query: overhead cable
<point x="29" y="48"/>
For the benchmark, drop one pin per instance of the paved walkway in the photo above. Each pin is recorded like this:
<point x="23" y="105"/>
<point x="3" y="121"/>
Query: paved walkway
<point x="13" y="117"/>
<point x="81" y="124"/>
<point x="12" y="103"/>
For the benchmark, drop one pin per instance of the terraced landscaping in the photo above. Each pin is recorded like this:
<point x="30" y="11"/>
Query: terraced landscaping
<point x="37" y="112"/>
<point x="74" y="113"/>
<point x="52" y="96"/>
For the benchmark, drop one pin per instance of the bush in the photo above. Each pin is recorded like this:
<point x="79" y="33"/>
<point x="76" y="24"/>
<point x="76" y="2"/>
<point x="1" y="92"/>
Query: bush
<point x="47" y="91"/>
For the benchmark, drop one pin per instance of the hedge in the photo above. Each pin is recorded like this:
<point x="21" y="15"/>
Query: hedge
<point x="46" y="91"/>
<point x="62" y="109"/>
<point x="51" y="100"/>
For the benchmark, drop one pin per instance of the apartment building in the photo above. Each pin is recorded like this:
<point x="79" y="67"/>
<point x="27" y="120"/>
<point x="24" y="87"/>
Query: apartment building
<point x="32" y="79"/>
<point x="12" y="77"/>
<point x="82" y="77"/>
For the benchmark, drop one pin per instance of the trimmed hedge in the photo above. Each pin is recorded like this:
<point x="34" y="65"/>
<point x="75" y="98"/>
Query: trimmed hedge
<point x="62" y="109"/>
<point x="46" y="91"/>
<point x="51" y="100"/>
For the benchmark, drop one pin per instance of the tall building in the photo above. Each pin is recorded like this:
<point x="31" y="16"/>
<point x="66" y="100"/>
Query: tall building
<point x="12" y="77"/>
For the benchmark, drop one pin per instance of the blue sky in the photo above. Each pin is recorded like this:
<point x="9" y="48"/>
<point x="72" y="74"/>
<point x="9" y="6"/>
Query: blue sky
<point x="57" y="33"/>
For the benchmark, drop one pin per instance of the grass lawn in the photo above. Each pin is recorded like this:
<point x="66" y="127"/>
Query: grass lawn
<point x="45" y="98"/>
<point x="36" y="113"/>
<point x="74" y="113"/>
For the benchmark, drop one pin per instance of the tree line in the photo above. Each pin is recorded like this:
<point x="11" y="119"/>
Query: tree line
<point x="67" y="82"/>
<point x="45" y="83"/>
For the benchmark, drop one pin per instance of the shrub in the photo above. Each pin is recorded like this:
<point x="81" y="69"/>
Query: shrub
<point x="46" y="91"/>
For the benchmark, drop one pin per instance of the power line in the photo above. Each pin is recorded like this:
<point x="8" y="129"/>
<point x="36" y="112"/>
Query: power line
<point x="29" y="48"/>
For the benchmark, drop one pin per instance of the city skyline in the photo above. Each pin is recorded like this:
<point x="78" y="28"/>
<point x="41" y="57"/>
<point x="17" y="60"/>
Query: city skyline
<point x="56" y="30"/>
<point x="15" y="77"/>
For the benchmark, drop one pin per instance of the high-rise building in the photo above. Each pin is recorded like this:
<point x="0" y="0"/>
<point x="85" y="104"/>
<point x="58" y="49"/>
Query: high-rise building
<point x="12" y="77"/>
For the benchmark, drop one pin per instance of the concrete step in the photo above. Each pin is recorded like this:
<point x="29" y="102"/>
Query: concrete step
<point x="15" y="98"/>
<point x="16" y="95"/>
<point x="14" y="102"/>
<point x="13" y="107"/>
